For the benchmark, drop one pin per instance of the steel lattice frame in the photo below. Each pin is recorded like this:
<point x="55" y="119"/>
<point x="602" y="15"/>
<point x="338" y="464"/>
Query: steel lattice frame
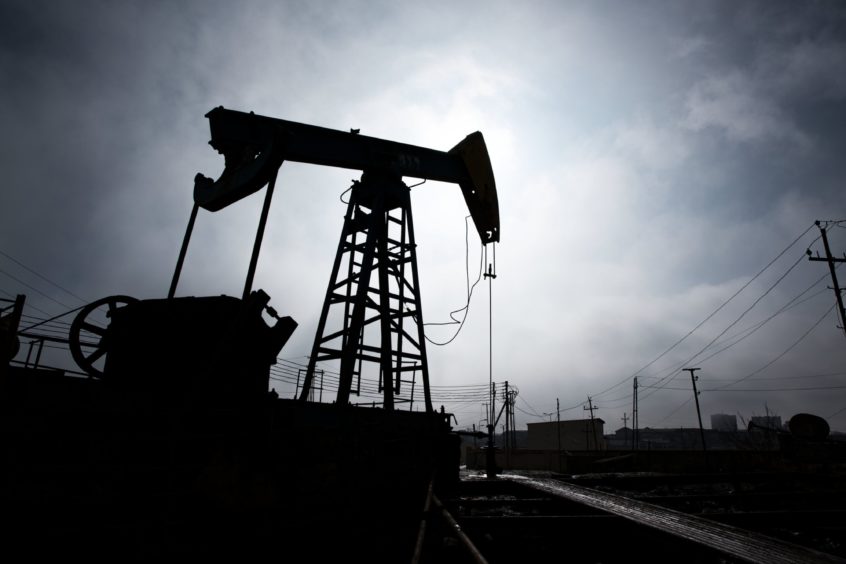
<point x="381" y="323"/>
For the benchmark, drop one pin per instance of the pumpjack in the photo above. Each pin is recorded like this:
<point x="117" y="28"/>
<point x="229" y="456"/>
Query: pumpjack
<point x="174" y="431"/>
<point x="374" y="280"/>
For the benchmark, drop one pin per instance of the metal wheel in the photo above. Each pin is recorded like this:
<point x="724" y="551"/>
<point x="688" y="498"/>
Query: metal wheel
<point x="85" y="333"/>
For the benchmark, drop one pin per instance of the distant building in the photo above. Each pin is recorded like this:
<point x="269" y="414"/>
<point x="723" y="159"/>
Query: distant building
<point x="671" y="438"/>
<point x="577" y="434"/>
<point x="724" y="422"/>
<point x="687" y="438"/>
<point x="624" y="434"/>
<point x="623" y="438"/>
<point x="766" y="422"/>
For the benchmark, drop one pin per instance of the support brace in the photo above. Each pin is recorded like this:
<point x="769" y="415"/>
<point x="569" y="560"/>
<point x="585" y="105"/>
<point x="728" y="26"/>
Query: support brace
<point x="377" y="238"/>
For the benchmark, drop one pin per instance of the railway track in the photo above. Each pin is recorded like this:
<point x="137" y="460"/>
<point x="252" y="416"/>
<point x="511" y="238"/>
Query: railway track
<point x="625" y="518"/>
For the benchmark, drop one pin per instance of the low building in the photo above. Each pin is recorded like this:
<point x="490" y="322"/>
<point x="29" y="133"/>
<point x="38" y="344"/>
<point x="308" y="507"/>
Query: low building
<point x="622" y="439"/>
<point x="724" y="422"/>
<point x="577" y="434"/>
<point x="772" y="422"/>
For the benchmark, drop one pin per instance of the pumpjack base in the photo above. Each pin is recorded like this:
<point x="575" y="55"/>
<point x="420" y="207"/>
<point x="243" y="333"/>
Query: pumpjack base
<point x="80" y="477"/>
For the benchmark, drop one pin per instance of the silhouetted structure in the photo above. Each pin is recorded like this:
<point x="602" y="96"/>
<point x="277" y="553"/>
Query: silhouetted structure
<point x="724" y="422"/>
<point x="173" y="446"/>
<point x="576" y="434"/>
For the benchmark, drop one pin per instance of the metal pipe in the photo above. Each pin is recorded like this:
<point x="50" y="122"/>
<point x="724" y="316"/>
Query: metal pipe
<point x="29" y="353"/>
<point x="456" y="529"/>
<point x="183" y="251"/>
<point x="248" y="285"/>
<point x="38" y="355"/>
<point x="421" y="534"/>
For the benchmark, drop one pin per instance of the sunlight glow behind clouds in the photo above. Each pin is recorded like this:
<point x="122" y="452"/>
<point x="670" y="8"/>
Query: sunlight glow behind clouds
<point x="649" y="160"/>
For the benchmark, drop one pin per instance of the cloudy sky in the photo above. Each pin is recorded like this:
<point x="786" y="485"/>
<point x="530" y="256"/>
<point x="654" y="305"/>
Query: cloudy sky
<point x="651" y="159"/>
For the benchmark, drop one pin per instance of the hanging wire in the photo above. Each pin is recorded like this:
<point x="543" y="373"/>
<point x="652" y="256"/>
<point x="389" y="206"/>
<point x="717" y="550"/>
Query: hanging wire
<point x="28" y="269"/>
<point x="791" y="304"/>
<point x="787" y="350"/>
<point x="725" y="388"/>
<point x="51" y="319"/>
<point x="34" y="289"/>
<point x="710" y="315"/>
<point x="687" y="362"/>
<point x="341" y="197"/>
<point x="466" y="308"/>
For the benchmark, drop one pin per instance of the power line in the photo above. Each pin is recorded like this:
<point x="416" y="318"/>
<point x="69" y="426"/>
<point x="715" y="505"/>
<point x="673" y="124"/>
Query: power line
<point x="534" y="411"/>
<point x="754" y="328"/>
<point x="673" y="412"/>
<point x="788" y="349"/>
<point x="720" y="390"/>
<point x="34" y="289"/>
<point x="808" y="388"/>
<point x="748" y="331"/>
<point x="712" y="314"/>
<point x="765" y="366"/>
<point x="736" y="321"/>
<point x="25" y="267"/>
<point x="803" y="377"/>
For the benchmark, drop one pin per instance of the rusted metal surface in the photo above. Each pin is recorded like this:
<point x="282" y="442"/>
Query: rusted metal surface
<point x="738" y="543"/>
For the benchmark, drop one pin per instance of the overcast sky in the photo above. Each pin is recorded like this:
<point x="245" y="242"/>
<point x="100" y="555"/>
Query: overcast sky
<point x="651" y="158"/>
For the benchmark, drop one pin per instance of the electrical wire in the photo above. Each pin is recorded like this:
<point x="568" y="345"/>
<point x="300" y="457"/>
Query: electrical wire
<point x="40" y="323"/>
<point x="787" y="350"/>
<point x="754" y="328"/>
<point x="34" y="289"/>
<point x="803" y="377"/>
<point x="735" y="322"/>
<point x="809" y="388"/>
<point x="673" y="412"/>
<point x="534" y="411"/>
<point x="28" y="269"/>
<point x="767" y="365"/>
<point x="369" y="389"/>
<point x="712" y="314"/>
<point x="667" y="379"/>
<point x="739" y="337"/>
<point x="466" y="308"/>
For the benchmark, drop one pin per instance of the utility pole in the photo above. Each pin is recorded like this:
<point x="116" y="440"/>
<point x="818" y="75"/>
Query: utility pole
<point x="491" y="458"/>
<point x="831" y="260"/>
<point x="506" y="430"/>
<point x="513" y="419"/>
<point x="592" y="424"/>
<point x="507" y="419"/>
<point x="625" y="419"/>
<point x="693" y="379"/>
<point x="558" y="419"/>
<point x="486" y="413"/>
<point x="491" y="453"/>
<point x="635" y="441"/>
